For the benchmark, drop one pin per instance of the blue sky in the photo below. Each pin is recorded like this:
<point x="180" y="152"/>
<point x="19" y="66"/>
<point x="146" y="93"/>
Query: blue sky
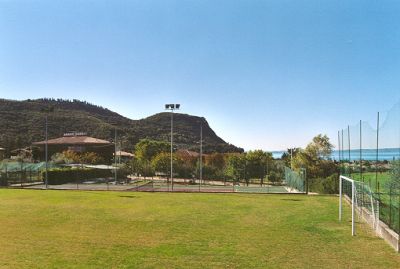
<point x="265" y="74"/>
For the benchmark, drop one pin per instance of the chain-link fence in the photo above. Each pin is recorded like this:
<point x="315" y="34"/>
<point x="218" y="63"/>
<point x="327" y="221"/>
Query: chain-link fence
<point x="369" y="153"/>
<point x="296" y="181"/>
<point x="106" y="177"/>
<point x="149" y="169"/>
<point x="18" y="173"/>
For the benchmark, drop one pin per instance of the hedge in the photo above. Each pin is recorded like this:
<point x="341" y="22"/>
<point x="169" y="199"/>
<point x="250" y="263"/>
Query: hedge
<point x="3" y="179"/>
<point x="71" y="175"/>
<point x="329" y="185"/>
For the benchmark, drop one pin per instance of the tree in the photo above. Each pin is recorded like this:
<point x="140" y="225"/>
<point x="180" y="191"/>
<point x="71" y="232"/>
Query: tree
<point x="146" y="149"/>
<point x="289" y="154"/>
<point x="162" y="163"/>
<point x="69" y="156"/>
<point x="320" y="147"/>
<point x="90" y="158"/>
<point x="235" y="166"/>
<point x="213" y="166"/>
<point x="274" y="176"/>
<point x="146" y="169"/>
<point x="216" y="160"/>
<point x="185" y="166"/>
<point x="256" y="165"/>
<point x="134" y="165"/>
<point x="315" y="158"/>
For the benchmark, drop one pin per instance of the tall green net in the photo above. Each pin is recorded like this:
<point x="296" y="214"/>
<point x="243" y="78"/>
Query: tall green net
<point x="369" y="153"/>
<point x="295" y="180"/>
<point x="7" y="166"/>
<point x="14" y="172"/>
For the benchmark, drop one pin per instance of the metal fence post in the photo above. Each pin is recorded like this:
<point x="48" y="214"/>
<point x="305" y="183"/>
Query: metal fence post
<point x="340" y="198"/>
<point x="390" y="207"/>
<point x="305" y="176"/>
<point x="398" y="227"/>
<point x="377" y="214"/>
<point x="353" y="229"/>
<point x="6" y="176"/>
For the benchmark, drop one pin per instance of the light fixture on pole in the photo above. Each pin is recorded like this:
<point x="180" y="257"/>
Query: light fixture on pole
<point x="172" y="107"/>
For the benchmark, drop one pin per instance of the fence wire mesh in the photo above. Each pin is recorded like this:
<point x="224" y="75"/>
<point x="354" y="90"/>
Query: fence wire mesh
<point x="369" y="153"/>
<point x="295" y="180"/>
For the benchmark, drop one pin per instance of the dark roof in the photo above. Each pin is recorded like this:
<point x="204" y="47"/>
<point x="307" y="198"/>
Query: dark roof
<point x="74" y="140"/>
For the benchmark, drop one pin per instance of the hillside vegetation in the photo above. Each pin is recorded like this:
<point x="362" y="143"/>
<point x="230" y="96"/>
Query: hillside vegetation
<point x="22" y="122"/>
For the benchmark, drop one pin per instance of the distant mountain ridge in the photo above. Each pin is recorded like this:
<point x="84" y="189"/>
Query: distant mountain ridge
<point x="22" y="122"/>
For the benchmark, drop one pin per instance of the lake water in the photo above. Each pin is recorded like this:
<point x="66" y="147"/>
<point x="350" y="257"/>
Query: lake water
<point x="367" y="154"/>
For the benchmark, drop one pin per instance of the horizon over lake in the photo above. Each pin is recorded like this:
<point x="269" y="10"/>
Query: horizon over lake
<point x="387" y="154"/>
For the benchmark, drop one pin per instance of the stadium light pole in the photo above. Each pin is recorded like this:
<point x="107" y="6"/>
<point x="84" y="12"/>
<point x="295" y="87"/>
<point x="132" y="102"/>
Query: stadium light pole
<point x="201" y="154"/>
<point x="115" y="156"/>
<point x="46" y="155"/>
<point x="291" y="158"/>
<point x="46" y="110"/>
<point x="172" y="107"/>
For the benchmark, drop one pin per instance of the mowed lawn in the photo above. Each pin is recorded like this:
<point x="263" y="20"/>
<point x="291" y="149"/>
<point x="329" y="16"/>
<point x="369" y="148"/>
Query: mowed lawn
<point x="369" y="178"/>
<point x="77" y="229"/>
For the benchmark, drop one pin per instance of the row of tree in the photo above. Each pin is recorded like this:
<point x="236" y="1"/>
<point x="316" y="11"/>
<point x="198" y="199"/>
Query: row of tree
<point x="154" y="157"/>
<point x="322" y="171"/>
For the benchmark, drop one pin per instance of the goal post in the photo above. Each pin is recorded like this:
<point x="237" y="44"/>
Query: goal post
<point x="350" y="187"/>
<point x="363" y="201"/>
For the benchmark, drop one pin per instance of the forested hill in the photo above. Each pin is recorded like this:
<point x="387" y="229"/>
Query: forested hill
<point x="22" y="122"/>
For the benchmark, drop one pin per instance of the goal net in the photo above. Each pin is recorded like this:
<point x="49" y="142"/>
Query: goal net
<point x="364" y="203"/>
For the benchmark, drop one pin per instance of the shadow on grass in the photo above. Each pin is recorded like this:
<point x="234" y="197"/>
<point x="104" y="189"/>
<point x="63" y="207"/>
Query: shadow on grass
<point x="127" y="196"/>
<point x="292" y="200"/>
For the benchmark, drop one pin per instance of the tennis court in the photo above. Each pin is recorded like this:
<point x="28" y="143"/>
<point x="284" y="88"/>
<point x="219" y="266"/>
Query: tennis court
<point x="164" y="187"/>
<point x="154" y="186"/>
<point x="293" y="183"/>
<point x="82" y="186"/>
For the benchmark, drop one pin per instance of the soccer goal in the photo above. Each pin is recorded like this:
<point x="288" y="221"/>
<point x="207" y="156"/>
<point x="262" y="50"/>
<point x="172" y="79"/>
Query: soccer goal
<point x="363" y="202"/>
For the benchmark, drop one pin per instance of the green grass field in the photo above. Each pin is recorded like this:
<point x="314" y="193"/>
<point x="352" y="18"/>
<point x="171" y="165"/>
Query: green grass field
<point x="369" y="178"/>
<point x="389" y="204"/>
<point x="77" y="229"/>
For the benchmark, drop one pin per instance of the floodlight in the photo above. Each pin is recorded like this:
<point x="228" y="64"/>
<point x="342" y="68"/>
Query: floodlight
<point x="172" y="107"/>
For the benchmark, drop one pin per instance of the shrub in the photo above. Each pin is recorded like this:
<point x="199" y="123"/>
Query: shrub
<point x="71" y="175"/>
<point x="69" y="156"/>
<point x="329" y="185"/>
<point x="3" y="179"/>
<point x="91" y="158"/>
<point x="123" y="172"/>
<point x="275" y="177"/>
